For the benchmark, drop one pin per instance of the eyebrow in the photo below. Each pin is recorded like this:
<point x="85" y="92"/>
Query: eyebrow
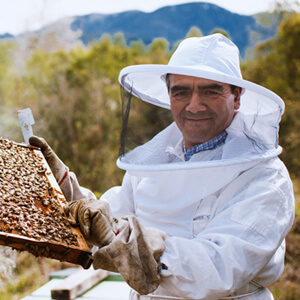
<point x="213" y="86"/>
<point x="176" y="88"/>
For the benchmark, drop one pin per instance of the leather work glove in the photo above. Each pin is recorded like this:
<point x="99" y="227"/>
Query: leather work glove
<point x="125" y="246"/>
<point x="94" y="219"/>
<point x="134" y="253"/>
<point x="57" y="167"/>
<point x="67" y="183"/>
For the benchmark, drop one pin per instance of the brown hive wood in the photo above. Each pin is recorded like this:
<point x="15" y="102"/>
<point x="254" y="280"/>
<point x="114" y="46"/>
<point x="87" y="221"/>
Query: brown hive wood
<point x="31" y="207"/>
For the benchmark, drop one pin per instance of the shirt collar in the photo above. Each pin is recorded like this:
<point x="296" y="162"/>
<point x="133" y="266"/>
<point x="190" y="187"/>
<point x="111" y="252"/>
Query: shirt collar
<point x="209" y="145"/>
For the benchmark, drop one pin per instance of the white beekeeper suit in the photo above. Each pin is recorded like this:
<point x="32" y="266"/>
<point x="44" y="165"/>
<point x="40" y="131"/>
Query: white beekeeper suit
<point x="227" y="211"/>
<point x="221" y="217"/>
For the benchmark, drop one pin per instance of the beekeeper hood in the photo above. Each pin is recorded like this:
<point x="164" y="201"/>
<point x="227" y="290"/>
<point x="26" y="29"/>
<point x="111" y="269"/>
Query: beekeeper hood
<point x="252" y="135"/>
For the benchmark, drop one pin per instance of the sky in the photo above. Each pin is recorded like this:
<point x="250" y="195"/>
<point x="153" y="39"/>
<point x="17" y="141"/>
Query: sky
<point x="17" y="16"/>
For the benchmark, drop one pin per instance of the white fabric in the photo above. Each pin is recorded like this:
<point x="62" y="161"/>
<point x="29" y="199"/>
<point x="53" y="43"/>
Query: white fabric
<point x="225" y="224"/>
<point x="226" y="211"/>
<point x="249" y="294"/>
<point x="153" y="156"/>
<point x="212" y="57"/>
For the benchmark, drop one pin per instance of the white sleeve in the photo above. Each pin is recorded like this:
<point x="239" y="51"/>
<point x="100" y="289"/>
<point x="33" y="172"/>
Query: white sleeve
<point x="120" y="198"/>
<point x="244" y="236"/>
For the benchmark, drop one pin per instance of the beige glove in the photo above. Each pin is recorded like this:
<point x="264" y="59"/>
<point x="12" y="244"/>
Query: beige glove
<point x="60" y="171"/>
<point x="134" y="252"/>
<point x="125" y="245"/>
<point x="57" y="167"/>
<point x="94" y="219"/>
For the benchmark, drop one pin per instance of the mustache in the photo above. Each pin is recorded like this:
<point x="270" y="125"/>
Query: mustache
<point x="198" y="115"/>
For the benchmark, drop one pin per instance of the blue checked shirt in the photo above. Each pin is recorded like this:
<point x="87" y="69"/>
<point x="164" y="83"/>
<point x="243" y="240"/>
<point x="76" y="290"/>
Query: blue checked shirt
<point x="211" y="144"/>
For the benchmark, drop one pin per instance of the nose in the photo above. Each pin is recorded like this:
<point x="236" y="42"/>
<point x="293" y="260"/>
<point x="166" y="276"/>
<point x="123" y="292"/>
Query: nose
<point x="196" y="104"/>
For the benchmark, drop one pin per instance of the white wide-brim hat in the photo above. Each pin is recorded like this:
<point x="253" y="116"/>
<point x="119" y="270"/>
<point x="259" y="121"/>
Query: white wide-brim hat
<point x="213" y="57"/>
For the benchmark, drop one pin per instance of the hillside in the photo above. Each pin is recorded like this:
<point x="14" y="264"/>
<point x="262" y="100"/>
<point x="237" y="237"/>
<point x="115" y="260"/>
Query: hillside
<point x="169" y="22"/>
<point x="172" y="23"/>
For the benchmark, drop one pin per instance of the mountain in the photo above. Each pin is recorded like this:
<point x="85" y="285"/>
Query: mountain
<point x="6" y="36"/>
<point x="171" y="23"/>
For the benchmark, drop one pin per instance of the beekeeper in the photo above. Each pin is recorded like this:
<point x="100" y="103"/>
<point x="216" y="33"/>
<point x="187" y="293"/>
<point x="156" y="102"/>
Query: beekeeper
<point x="206" y="204"/>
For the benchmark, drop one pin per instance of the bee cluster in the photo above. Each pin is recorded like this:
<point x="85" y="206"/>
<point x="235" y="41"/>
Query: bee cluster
<point x="29" y="205"/>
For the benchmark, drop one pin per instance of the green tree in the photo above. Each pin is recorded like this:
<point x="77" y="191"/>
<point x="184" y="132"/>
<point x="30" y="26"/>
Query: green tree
<point x="222" y="31"/>
<point x="159" y="51"/>
<point x="6" y="57"/>
<point x="75" y="98"/>
<point x="78" y="108"/>
<point x="10" y="85"/>
<point x="276" y="65"/>
<point x="194" y="32"/>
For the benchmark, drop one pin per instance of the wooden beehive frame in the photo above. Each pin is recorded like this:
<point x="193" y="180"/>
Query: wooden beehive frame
<point x="78" y="252"/>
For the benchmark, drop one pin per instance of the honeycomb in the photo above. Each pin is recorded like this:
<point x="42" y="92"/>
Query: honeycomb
<point x="29" y="205"/>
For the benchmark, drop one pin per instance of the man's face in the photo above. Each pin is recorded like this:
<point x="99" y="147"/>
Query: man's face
<point x="201" y="108"/>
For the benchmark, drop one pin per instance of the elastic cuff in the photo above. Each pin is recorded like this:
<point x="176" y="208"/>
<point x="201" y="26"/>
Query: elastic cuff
<point x="64" y="176"/>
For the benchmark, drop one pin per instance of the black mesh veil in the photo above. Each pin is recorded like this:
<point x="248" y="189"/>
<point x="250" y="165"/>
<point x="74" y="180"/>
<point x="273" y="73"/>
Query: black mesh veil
<point x="126" y="102"/>
<point x="140" y="121"/>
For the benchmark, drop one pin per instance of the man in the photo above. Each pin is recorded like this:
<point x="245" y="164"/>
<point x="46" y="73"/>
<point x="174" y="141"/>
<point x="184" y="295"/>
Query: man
<point x="205" y="205"/>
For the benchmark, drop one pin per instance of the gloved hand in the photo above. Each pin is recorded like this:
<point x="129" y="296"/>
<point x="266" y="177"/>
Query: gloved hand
<point x="125" y="245"/>
<point x="67" y="183"/>
<point x="57" y="167"/>
<point x="134" y="252"/>
<point x="94" y="219"/>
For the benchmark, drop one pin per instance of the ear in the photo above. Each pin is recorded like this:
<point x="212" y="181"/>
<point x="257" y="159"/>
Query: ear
<point x="237" y="97"/>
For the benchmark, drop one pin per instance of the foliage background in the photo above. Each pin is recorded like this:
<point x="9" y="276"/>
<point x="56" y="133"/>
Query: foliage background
<point x="75" y="98"/>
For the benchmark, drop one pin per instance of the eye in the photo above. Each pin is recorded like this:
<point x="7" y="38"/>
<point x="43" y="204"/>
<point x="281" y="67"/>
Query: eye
<point x="181" y="94"/>
<point x="211" y="92"/>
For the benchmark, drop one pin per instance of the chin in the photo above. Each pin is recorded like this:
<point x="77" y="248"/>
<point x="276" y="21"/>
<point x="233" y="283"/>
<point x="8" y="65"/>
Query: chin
<point x="197" y="140"/>
<point x="200" y="137"/>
